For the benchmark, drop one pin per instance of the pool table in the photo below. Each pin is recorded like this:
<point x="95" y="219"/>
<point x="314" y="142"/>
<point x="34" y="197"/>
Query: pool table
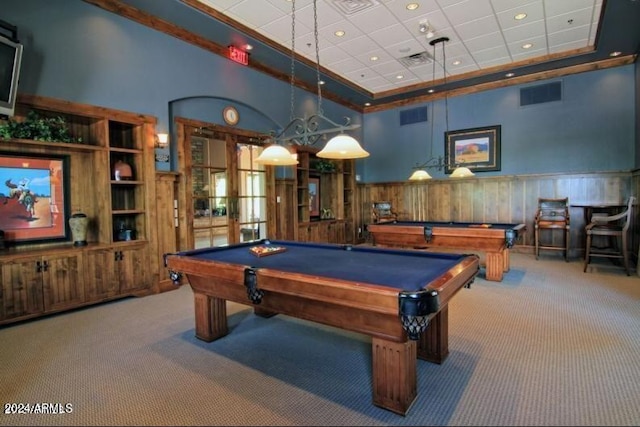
<point x="397" y="297"/>
<point x="493" y="239"/>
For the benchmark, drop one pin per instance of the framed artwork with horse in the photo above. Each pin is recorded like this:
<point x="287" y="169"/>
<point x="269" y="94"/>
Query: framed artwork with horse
<point x="34" y="197"/>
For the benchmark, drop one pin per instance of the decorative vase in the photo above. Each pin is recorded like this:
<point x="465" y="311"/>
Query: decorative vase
<point x="122" y="171"/>
<point x="78" y="223"/>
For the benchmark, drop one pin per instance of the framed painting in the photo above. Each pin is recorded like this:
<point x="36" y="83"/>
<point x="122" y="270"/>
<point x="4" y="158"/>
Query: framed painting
<point x="477" y="149"/>
<point x="34" y="201"/>
<point x="314" y="197"/>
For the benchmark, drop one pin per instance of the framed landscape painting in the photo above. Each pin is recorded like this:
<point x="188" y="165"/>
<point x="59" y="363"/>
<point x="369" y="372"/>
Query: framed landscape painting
<point x="477" y="149"/>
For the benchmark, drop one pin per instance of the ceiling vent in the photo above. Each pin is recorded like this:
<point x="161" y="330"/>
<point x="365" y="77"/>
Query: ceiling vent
<point x="416" y="59"/>
<point x="349" y="7"/>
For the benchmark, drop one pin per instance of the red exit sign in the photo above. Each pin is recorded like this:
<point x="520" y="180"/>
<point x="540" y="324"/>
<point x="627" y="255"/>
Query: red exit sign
<point x="238" y="55"/>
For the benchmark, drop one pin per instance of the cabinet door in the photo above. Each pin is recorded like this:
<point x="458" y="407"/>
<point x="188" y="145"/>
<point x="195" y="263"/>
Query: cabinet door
<point x="100" y="274"/>
<point x="131" y="267"/>
<point x="21" y="288"/>
<point x="63" y="282"/>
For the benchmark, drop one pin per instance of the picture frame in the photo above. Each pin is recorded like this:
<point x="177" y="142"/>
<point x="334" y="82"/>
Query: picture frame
<point x="34" y="198"/>
<point x="314" y="197"/>
<point x="475" y="148"/>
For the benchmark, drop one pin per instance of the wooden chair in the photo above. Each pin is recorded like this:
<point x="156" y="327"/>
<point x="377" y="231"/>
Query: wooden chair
<point x="612" y="226"/>
<point x="383" y="212"/>
<point x="552" y="214"/>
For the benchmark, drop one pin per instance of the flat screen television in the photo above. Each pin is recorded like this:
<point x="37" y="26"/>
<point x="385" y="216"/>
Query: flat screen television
<point x="10" y="59"/>
<point x="34" y="197"/>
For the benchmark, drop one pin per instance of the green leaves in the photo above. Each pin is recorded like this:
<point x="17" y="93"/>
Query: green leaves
<point x="50" y="129"/>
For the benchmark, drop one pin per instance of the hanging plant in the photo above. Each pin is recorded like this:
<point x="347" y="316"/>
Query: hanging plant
<point x="325" y="166"/>
<point x="50" y="129"/>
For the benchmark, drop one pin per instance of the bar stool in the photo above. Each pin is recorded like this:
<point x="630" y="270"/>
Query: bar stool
<point x="552" y="214"/>
<point x="613" y="226"/>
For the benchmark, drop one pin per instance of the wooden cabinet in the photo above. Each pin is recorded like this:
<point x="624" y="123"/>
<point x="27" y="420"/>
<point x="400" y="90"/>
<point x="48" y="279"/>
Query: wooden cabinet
<point x="331" y="219"/>
<point x="112" y="181"/>
<point x="32" y="285"/>
<point x="114" y="271"/>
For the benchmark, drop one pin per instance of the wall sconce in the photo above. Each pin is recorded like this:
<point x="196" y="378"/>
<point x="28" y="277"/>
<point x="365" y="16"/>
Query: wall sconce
<point x="162" y="140"/>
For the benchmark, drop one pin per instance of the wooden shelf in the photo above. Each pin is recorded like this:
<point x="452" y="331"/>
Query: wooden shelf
<point x="104" y="269"/>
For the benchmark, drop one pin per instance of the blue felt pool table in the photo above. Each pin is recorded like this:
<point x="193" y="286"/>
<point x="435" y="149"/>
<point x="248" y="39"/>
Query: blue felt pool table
<point x="494" y="239"/>
<point x="398" y="297"/>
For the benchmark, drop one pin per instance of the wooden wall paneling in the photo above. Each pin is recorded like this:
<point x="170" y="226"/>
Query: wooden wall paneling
<point x="167" y="235"/>
<point x="511" y="199"/>
<point x="285" y="209"/>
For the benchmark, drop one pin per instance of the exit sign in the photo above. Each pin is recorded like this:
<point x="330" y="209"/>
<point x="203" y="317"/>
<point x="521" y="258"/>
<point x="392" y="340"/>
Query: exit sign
<point x="238" y="55"/>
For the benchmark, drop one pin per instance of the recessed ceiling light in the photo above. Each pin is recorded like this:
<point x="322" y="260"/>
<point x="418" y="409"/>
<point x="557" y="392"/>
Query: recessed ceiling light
<point x="399" y="77"/>
<point x="510" y="74"/>
<point x="321" y="82"/>
<point x="248" y="47"/>
<point x="520" y="16"/>
<point x="616" y="53"/>
<point x="373" y="58"/>
<point x="457" y="62"/>
<point x="412" y="6"/>
<point x="431" y="90"/>
<point x="339" y="33"/>
<point x="367" y="104"/>
<point x="527" y="45"/>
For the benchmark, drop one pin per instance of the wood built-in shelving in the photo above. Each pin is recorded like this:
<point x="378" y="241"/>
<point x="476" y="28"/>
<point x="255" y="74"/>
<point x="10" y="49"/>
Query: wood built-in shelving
<point x="336" y="199"/>
<point x="108" y="267"/>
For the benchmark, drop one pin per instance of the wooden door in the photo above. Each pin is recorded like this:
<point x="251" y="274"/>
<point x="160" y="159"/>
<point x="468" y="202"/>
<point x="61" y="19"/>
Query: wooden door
<point x="22" y="288"/>
<point x="100" y="277"/>
<point x="63" y="281"/>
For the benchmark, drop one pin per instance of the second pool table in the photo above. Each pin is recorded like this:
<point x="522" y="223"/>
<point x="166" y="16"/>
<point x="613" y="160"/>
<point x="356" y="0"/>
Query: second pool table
<point x="495" y="239"/>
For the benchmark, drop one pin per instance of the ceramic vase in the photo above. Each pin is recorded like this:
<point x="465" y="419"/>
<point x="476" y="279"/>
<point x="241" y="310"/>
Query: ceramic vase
<point x="78" y="224"/>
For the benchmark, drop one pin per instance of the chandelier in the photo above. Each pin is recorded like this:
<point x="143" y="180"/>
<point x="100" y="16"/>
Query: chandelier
<point x="440" y="162"/>
<point x="309" y="129"/>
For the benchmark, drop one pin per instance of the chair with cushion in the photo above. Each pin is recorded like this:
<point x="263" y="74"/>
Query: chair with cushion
<point x="552" y="215"/>
<point x="612" y="226"/>
<point x="383" y="212"/>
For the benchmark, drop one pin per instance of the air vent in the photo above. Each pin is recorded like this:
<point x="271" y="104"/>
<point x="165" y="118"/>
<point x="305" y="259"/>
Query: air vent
<point x="416" y="59"/>
<point x="350" y="7"/>
<point x="548" y="92"/>
<point x="414" y="115"/>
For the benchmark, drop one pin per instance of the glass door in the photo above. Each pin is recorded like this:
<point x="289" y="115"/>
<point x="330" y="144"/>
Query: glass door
<point x="251" y="193"/>
<point x="209" y="192"/>
<point x="228" y="190"/>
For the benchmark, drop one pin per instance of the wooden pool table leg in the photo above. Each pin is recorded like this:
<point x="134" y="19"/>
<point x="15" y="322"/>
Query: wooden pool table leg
<point x="496" y="264"/>
<point x="211" y="317"/>
<point x="433" y="345"/>
<point x="394" y="374"/>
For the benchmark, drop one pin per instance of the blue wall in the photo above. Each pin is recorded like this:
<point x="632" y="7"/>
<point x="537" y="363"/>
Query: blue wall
<point x="591" y="129"/>
<point x="79" y="52"/>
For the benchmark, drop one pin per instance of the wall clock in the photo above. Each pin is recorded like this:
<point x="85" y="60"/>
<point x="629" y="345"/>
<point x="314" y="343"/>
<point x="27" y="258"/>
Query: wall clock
<point x="231" y="116"/>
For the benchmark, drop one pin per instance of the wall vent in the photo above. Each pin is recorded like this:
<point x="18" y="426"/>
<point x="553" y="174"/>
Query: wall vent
<point x="548" y="92"/>
<point x="414" y="115"/>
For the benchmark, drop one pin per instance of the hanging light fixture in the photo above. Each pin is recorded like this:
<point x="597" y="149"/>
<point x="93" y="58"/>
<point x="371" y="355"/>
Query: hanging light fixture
<point x="307" y="130"/>
<point x="440" y="162"/>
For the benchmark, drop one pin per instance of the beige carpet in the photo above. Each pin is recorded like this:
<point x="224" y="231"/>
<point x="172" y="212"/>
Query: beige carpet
<point x="550" y="345"/>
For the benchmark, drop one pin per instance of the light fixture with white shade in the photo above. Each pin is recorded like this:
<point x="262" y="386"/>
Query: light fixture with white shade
<point x="308" y="130"/>
<point x="440" y="162"/>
